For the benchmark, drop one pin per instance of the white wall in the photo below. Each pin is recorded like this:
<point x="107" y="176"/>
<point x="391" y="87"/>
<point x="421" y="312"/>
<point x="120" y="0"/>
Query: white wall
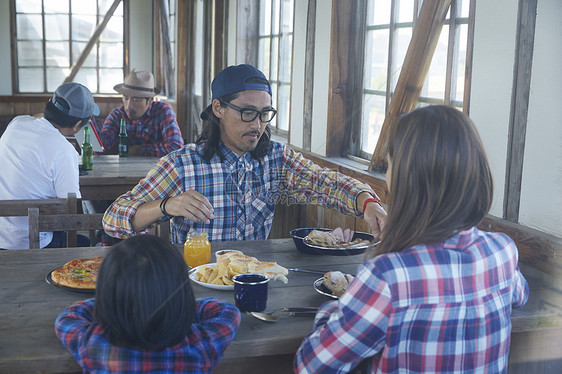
<point x="541" y="190"/>
<point x="492" y="80"/>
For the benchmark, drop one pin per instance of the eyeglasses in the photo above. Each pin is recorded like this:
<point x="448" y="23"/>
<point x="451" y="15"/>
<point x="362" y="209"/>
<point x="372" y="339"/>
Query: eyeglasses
<point x="248" y="115"/>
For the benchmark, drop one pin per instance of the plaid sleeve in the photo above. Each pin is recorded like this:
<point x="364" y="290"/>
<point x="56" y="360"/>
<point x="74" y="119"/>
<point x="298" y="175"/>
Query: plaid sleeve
<point x="219" y="322"/>
<point x="164" y="121"/>
<point x="110" y="130"/>
<point x="311" y="184"/>
<point x="73" y="324"/>
<point x="349" y="330"/>
<point x="163" y="180"/>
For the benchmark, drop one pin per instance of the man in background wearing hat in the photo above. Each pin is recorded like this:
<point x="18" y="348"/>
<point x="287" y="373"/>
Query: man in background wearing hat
<point x="227" y="184"/>
<point x="151" y="125"/>
<point x="38" y="162"/>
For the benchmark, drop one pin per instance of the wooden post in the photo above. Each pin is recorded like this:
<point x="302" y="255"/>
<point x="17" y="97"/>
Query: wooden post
<point x="95" y="36"/>
<point x="412" y="76"/>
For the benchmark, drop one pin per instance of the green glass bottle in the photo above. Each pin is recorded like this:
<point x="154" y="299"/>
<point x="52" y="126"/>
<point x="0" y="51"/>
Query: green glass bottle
<point x="123" y="139"/>
<point x="87" y="150"/>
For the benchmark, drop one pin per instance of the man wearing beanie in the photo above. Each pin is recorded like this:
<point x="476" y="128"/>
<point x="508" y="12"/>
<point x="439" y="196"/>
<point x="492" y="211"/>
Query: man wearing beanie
<point x="38" y="162"/>
<point x="151" y="125"/>
<point x="228" y="183"/>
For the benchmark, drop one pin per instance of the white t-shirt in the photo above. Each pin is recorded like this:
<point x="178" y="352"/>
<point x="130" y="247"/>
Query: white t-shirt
<point x="36" y="162"/>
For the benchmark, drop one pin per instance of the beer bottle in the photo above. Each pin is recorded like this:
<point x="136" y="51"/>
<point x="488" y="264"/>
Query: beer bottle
<point x="123" y="139"/>
<point x="87" y="150"/>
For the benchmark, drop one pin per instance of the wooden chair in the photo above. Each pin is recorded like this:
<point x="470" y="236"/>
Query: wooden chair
<point x="61" y="222"/>
<point x="17" y="208"/>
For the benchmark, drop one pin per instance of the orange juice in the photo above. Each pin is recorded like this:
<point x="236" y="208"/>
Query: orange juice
<point x="197" y="249"/>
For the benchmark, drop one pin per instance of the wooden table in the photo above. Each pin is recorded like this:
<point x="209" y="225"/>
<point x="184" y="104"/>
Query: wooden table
<point x="113" y="175"/>
<point x="29" y="307"/>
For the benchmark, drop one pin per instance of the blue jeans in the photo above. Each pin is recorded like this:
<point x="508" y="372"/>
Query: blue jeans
<point x="59" y="240"/>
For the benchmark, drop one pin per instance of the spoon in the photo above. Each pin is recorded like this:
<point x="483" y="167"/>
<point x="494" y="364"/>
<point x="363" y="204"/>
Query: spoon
<point x="290" y="312"/>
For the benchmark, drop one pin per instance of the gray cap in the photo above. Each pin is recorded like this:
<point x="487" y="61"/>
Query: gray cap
<point x="78" y="98"/>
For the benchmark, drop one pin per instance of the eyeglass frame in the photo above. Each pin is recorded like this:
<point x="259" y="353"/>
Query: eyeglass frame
<point x="258" y="113"/>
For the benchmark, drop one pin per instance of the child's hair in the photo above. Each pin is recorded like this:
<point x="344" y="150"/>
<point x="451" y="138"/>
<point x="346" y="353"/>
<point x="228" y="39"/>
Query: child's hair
<point x="143" y="294"/>
<point x="440" y="180"/>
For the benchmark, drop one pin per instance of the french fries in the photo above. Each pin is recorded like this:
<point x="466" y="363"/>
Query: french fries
<point x="231" y="263"/>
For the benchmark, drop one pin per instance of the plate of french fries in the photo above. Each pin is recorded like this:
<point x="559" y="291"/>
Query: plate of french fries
<point x="218" y="275"/>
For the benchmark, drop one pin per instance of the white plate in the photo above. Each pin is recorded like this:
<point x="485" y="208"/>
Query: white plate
<point x="321" y="289"/>
<point x="193" y="277"/>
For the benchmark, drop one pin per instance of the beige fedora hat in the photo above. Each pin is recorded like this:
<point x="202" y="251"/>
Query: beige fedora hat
<point x="138" y="84"/>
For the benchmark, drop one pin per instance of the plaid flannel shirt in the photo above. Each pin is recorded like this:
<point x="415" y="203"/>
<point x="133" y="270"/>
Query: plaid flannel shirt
<point x="440" y="308"/>
<point x="216" y="324"/>
<point x="156" y="131"/>
<point x="242" y="190"/>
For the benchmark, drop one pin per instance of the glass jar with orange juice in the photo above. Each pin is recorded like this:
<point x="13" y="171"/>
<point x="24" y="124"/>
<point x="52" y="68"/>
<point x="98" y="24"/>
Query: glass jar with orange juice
<point x="197" y="248"/>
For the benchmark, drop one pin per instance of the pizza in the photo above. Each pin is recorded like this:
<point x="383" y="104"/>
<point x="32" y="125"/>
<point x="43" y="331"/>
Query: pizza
<point x="79" y="273"/>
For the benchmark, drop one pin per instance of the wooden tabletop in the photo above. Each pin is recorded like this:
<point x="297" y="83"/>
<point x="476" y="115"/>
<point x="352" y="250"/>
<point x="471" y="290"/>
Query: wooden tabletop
<point x="29" y="306"/>
<point x="113" y="175"/>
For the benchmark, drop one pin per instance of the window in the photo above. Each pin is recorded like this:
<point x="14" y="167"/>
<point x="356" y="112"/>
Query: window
<point x="50" y="37"/>
<point x="275" y="56"/>
<point x="388" y="33"/>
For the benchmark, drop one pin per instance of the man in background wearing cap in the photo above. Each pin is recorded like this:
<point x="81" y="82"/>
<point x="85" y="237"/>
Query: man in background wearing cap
<point x="227" y="184"/>
<point x="151" y="125"/>
<point x="38" y="162"/>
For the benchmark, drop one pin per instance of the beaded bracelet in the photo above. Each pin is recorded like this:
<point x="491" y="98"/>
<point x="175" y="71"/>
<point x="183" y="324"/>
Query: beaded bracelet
<point x="163" y="205"/>
<point x="371" y="199"/>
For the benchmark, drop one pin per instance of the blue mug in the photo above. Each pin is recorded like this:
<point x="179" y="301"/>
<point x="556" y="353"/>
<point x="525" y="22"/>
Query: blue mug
<point x="250" y="292"/>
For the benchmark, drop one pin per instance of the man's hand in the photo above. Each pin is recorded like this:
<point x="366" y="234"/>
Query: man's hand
<point x="191" y="205"/>
<point x="375" y="216"/>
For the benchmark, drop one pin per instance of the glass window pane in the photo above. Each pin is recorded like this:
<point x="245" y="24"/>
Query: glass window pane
<point x="264" y="56"/>
<point x="274" y="86"/>
<point x="403" y="37"/>
<point x="28" y="6"/>
<point x="29" y="26"/>
<point x="265" y="17"/>
<point x="55" y="77"/>
<point x="57" y="54"/>
<point x="56" y="27"/>
<point x="437" y="74"/>
<point x="30" y="53"/>
<point x="286" y="60"/>
<point x="378" y="12"/>
<point x="198" y="85"/>
<point x="275" y="58"/>
<point x="376" y="59"/>
<point x="83" y="27"/>
<point x="55" y="6"/>
<point x="83" y="6"/>
<point x="275" y="6"/>
<point x="30" y="79"/>
<point x="109" y="78"/>
<point x="113" y="32"/>
<point x="104" y="6"/>
<point x="89" y="78"/>
<point x="283" y="107"/>
<point x="464" y="6"/>
<point x="405" y="11"/>
<point x="111" y="55"/>
<point x="373" y="118"/>
<point x="457" y="91"/>
<point x="287" y="15"/>
<point x="77" y="48"/>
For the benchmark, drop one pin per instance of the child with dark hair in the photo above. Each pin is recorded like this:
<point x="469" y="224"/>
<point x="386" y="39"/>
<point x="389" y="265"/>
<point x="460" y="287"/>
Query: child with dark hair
<point x="437" y="294"/>
<point x="145" y="317"/>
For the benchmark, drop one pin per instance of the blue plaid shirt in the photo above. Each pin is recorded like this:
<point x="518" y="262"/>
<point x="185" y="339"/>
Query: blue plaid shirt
<point x="242" y="190"/>
<point x="439" y="308"/>
<point x="215" y="325"/>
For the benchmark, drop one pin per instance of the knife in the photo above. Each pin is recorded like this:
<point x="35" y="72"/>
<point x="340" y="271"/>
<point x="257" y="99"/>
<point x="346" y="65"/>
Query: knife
<point x="308" y="271"/>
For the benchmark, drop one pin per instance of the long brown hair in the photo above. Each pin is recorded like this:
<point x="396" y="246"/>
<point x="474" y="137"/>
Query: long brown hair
<point x="440" y="180"/>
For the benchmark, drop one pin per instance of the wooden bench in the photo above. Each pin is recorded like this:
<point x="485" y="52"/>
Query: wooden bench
<point x="537" y="326"/>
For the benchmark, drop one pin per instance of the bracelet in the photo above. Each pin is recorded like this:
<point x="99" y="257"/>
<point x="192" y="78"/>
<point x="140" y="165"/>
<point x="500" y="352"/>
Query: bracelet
<point x="163" y="205"/>
<point x="371" y="199"/>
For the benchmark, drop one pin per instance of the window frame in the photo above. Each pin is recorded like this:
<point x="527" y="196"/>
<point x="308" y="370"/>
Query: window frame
<point x="16" y="86"/>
